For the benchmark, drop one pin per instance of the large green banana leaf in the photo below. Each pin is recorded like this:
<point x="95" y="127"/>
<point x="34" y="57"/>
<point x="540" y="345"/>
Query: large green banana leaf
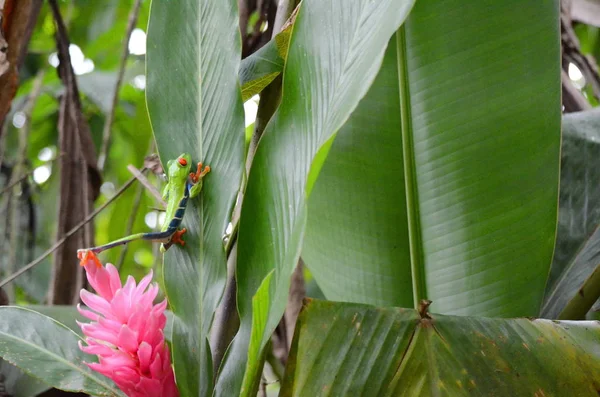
<point x="443" y="184"/>
<point x="195" y="106"/>
<point x="343" y="349"/>
<point x="335" y="51"/>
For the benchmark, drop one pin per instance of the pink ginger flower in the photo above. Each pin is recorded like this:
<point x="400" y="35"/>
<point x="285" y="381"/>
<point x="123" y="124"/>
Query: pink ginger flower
<point x="126" y="332"/>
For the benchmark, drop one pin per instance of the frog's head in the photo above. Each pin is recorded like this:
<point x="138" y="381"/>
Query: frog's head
<point x="180" y="167"/>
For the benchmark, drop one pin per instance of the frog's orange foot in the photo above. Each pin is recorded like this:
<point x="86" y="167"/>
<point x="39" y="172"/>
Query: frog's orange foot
<point x="176" y="239"/>
<point x="199" y="174"/>
<point x="85" y="255"/>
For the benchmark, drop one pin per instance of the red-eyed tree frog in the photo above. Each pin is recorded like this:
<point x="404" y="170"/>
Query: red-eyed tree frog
<point x="180" y="187"/>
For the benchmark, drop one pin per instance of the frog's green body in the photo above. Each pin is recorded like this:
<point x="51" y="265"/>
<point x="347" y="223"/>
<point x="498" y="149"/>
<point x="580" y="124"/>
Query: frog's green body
<point x="177" y="193"/>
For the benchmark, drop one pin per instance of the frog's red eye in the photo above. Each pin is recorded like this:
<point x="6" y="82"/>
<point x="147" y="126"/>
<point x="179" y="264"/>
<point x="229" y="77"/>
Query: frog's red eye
<point x="182" y="161"/>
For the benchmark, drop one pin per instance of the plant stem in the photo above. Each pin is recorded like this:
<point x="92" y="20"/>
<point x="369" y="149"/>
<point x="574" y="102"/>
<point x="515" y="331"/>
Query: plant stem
<point x="226" y="322"/>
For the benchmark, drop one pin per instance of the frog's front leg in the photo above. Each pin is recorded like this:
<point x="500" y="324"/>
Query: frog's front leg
<point x="196" y="178"/>
<point x="165" y="192"/>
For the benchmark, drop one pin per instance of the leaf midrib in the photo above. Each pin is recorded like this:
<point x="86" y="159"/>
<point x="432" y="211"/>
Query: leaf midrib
<point x="410" y="178"/>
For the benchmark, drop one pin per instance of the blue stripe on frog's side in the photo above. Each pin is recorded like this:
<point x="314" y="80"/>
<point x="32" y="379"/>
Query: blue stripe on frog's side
<point x="178" y="217"/>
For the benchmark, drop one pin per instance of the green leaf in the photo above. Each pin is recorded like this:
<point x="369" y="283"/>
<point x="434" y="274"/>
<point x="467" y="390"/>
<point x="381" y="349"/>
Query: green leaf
<point x="578" y="287"/>
<point x="447" y="172"/>
<point x="357" y="234"/>
<point x="19" y="384"/>
<point x="579" y="204"/>
<point x="46" y="349"/>
<point x="99" y="86"/>
<point x="342" y="349"/>
<point x="574" y="286"/>
<point x="195" y="106"/>
<point x="63" y="314"/>
<point x="323" y="81"/>
<point x="259" y="69"/>
<point x="260" y="317"/>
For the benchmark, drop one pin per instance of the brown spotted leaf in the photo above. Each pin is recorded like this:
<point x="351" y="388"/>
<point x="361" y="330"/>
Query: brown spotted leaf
<point x="343" y="349"/>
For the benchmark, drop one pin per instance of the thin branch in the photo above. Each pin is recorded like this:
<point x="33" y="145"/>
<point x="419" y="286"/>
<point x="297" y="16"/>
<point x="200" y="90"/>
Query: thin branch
<point x="573" y="99"/>
<point x="68" y="234"/>
<point x="262" y="389"/>
<point x="149" y="186"/>
<point x="226" y="321"/>
<point x="284" y="11"/>
<point x="276" y="365"/>
<point x="294" y="305"/>
<point x="133" y="16"/>
<point x="134" y="211"/>
<point x="14" y="182"/>
<point x="244" y="14"/>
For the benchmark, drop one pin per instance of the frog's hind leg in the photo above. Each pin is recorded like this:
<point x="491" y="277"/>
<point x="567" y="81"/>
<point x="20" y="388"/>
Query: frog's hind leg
<point x="175" y="239"/>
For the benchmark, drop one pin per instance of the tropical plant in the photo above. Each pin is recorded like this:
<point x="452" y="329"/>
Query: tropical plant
<point x="405" y="160"/>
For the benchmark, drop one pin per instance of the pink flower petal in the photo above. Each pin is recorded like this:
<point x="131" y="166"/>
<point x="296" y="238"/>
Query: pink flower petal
<point x="101" y="368"/>
<point x="100" y="350"/>
<point x="95" y="302"/>
<point x="160" y="307"/>
<point x="169" y="386"/>
<point x="115" y="280"/>
<point x="121" y="361"/>
<point x="121" y="306"/>
<point x="145" y="356"/>
<point x="138" y="321"/>
<point x="149" y="296"/>
<point x="144" y="283"/>
<point x="128" y="339"/>
<point x="150" y="387"/>
<point x="87" y="314"/>
<point x="156" y="368"/>
<point x="109" y="324"/>
<point x="128" y="289"/>
<point x="90" y="330"/>
<point x="101" y="283"/>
